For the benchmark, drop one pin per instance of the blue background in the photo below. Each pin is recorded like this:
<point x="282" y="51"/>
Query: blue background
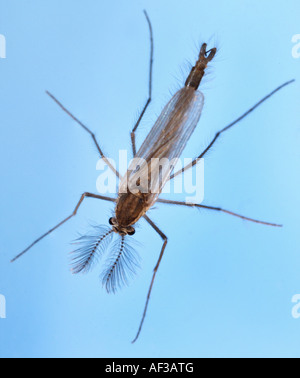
<point x="225" y="286"/>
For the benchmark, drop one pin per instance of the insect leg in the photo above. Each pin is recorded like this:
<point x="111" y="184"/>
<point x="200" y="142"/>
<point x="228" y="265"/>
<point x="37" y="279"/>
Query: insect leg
<point x="83" y="196"/>
<point x="165" y="240"/>
<point x="132" y="134"/>
<point x="228" y="127"/>
<point x="217" y="209"/>
<point x="87" y="130"/>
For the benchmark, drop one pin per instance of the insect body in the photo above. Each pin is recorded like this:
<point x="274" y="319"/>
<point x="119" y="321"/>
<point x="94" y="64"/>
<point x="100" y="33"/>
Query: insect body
<point x="165" y="142"/>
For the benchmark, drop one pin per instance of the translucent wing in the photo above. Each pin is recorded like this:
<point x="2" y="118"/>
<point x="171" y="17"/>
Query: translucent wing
<point x="155" y="160"/>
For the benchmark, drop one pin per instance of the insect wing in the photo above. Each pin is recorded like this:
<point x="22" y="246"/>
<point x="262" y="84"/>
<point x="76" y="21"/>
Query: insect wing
<point x="155" y="160"/>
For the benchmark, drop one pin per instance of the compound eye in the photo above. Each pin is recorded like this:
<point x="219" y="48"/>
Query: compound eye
<point x="131" y="232"/>
<point x="111" y="221"/>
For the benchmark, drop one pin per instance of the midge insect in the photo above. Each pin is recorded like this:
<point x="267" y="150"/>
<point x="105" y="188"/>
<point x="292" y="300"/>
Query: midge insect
<point x="166" y="140"/>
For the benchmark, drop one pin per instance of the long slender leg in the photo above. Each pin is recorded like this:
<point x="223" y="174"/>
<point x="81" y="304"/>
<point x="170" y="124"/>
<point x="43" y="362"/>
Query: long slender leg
<point x="217" y="209"/>
<point x="228" y="127"/>
<point x="165" y="240"/>
<point x="150" y="88"/>
<point x="83" y="196"/>
<point x="87" y="130"/>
